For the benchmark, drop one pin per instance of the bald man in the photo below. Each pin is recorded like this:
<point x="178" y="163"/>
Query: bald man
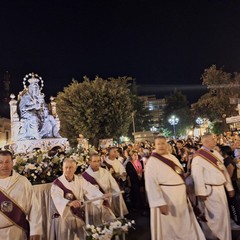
<point x="69" y="192"/>
<point x="171" y="215"/>
<point x="210" y="180"/>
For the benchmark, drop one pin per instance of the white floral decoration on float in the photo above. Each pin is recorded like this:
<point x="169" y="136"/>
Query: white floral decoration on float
<point x="44" y="167"/>
<point x="81" y="156"/>
<point x="38" y="167"/>
<point x="109" y="230"/>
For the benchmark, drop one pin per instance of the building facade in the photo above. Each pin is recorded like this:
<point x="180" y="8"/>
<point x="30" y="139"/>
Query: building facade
<point x="5" y="131"/>
<point x="156" y="107"/>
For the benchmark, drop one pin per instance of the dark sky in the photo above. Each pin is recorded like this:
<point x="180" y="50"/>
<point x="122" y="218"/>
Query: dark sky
<point x="156" y="42"/>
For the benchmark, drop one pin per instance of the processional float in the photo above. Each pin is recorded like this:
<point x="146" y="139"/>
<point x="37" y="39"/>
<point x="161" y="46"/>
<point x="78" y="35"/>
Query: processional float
<point x="34" y="123"/>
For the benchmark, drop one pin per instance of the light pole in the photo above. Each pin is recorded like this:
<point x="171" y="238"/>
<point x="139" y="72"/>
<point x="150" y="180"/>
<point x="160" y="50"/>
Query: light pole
<point x="199" y="121"/>
<point x="133" y="121"/>
<point x="173" y="121"/>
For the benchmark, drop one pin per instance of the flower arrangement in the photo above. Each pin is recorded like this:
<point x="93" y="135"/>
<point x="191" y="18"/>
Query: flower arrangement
<point x="81" y="156"/>
<point x="44" y="167"/>
<point x="38" y="167"/>
<point x="108" y="230"/>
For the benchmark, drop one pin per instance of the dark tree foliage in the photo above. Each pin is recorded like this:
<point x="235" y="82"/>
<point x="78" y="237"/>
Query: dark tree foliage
<point x="97" y="109"/>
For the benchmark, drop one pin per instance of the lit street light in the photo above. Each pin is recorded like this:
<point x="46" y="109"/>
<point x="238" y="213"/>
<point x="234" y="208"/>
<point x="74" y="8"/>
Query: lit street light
<point x="173" y="121"/>
<point x="199" y="121"/>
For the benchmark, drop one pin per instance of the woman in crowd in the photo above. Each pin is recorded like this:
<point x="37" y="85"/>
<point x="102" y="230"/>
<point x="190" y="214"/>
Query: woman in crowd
<point x="234" y="202"/>
<point x="134" y="170"/>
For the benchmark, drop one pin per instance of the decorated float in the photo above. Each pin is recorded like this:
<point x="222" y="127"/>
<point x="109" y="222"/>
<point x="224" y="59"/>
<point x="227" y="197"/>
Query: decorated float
<point x="39" y="151"/>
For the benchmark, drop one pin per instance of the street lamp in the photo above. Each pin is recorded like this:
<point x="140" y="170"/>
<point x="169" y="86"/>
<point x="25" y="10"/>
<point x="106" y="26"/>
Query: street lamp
<point x="133" y="121"/>
<point x="173" y="121"/>
<point x="199" y="121"/>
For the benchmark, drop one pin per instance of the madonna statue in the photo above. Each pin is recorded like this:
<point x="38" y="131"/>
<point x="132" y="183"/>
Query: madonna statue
<point x="36" y="122"/>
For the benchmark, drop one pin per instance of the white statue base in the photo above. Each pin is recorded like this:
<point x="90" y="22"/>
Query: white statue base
<point x="44" y="144"/>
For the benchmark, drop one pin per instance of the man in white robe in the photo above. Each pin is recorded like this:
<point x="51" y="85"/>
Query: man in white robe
<point x="105" y="182"/>
<point x="113" y="165"/>
<point x="171" y="215"/>
<point x="68" y="226"/>
<point x="19" y="190"/>
<point x="209" y="182"/>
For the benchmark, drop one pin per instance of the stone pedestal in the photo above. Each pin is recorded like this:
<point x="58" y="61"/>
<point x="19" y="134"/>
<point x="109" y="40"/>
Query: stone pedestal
<point x="46" y="144"/>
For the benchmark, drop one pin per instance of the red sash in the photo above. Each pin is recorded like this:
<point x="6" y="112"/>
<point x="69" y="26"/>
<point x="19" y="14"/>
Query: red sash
<point x="171" y="164"/>
<point x="93" y="181"/>
<point x="179" y="171"/>
<point x="209" y="157"/>
<point x="109" y="166"/>
<point x="13" y="212"/>
<point x="68" y="194"/>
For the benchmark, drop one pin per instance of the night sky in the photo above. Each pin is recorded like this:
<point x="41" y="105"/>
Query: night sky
<point x="157" y="42"/>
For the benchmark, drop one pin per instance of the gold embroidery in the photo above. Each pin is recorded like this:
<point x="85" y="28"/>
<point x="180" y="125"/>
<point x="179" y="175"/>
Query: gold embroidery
<point x="178" y="170"/>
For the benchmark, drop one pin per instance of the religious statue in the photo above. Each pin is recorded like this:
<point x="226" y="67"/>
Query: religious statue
<point x="49" y="127"/>
<point x="36" y="122"/>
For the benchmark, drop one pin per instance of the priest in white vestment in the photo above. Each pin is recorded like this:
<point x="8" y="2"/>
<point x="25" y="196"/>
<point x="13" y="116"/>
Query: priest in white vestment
<point x="69" y="226"/>
<point x="210" y="180"/>
<point x="172" y="216"/>
<point x="104" y="180"/>
<point x="18" y="190"/>
<point x="114" y="165"/>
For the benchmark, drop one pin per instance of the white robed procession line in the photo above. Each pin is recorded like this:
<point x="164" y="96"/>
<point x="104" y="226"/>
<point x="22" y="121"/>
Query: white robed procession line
<point x="86" y="203"/>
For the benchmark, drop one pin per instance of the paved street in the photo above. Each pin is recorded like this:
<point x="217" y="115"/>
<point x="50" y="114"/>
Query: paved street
<point x="236" y="235"/>
<point x="142" y="231"/>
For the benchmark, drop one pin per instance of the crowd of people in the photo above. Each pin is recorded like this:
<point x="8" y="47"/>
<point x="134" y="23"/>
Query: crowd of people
<point x="211" y="181"/>
<point x="191" y="181"/>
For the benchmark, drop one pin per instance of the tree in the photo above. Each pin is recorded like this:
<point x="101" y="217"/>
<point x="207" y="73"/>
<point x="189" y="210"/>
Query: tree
<point x="142" y="116"/>
<point x="222" y="86"/>
<point x="97" y="109"/>
<point x="177" y="104"/>
<point x="217" y="128"/>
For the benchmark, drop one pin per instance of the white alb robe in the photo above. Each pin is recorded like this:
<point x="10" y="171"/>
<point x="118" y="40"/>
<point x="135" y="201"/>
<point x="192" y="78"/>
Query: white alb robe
<point x="21" y="191"/>
<point x="68" y="226"/>
<point x="216" y="207"/>
<point x="108" y="184"/>
<point x="117" y="166"/>
<point x="180" y="223"/>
